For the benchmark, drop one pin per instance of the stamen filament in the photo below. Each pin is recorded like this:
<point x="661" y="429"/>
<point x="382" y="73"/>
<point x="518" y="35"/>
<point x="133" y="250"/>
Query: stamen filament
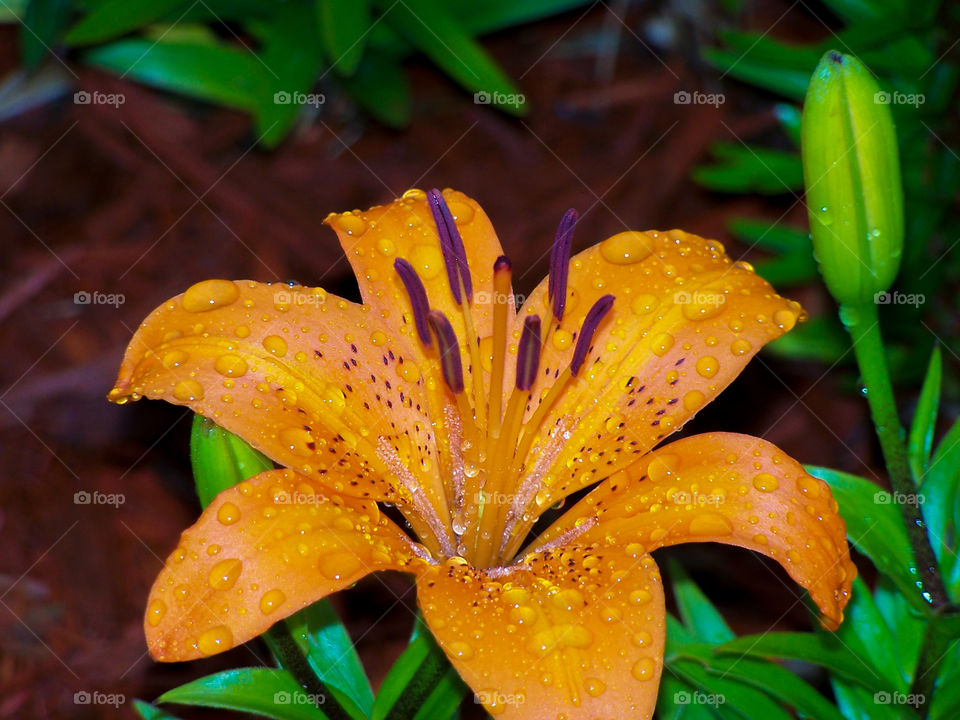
<point x="502" y="277"/>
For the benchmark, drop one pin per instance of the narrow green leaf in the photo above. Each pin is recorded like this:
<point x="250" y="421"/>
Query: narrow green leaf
<point x="220" y="459"/>
<point x="945" y="704"/>
<point x="429" y="26"/>
<point x="867" y="634"/>
<point x="905" y="622"/>
<point x="41" y="29"/>
<point x="774" y="680"/>
<point x="778" y="237"/>
<point x="925" y="417"/>
<point x="875" y="527"/>
<point x="116" y="17"/>
<point x="821" y="338"/>
<point x="331" y="652"/>
<point x="858" y="703"/>
<point x="822" y="650"/>
<point x="149" y="712"/>
<point x="381" y="88"/>
<point x="220" y="74"/>
<point x="261" y="691"/>
<point x="696" y="611"/>
<point x="418" y="673"/>
<point x="444" y="699"/>
<point x="344" y="27"/>
<point x="788" y="270"/>
<point x="751" y="169"/>
<point x="672" y="701"/>
<point x="940" y="498"/>
<point x="482" y="16"/>
<point x="789" y="83"/>
<point x="723" y="692"/>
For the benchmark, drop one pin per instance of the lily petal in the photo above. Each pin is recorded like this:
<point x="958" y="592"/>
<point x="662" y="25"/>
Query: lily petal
<point x="727" y="488"/>
<point x="302" y="375"/>
<point x="576" y="632"/>
<point x="685" y="321"/>
<point x="261" y="551"/>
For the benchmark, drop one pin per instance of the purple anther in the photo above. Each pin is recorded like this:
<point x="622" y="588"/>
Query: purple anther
<point x="594" y="315"/>
<point x="418" y="298"/>
<point x="454" y="254"/>
<point x="528" y="353"/>
<point x="450" y="365"/>
<point x="560" y="263"/>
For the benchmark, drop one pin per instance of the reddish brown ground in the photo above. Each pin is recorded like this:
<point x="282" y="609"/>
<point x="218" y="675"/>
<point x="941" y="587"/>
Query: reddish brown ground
<point x="146" y="199"/>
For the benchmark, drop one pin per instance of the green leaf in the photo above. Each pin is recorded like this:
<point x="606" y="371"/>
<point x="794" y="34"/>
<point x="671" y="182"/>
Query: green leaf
<point x="774" y="680"/>
<point x="381" y="88"/>
<point x="261" y="691"/>
<point x="787" y="82"/>
<point x="906" y="623"/>
<point x="421" y="671"/>
<point x="482" y="16"/>
<point x="858" y="703"/>
<point x="788" y="270"/>
<point x="220" y="74"/>
<point x="869" y="10"/>
<point x="778" y="237"/>
<point x="866" y="632"/>
<point x="696" y="611"/>
<point x="945" y="704"/>
<point x="149" y="712"/>
<point x="821" y="338"/>
<point x="220" y="459"/>
<point x="749" y="702"/>
<point x="925" y="417"/>
<point x="817" y="649"/>
<point x="331" y="653"/>
<point x="741" y="169"/>
<point x="875" y="527"/>
<point x="444" y="699"/>
<point x="344" y="27"/>
<point x="940" y="498"/>
<point x="671" y="699"/>
<point x="444" y="40"/>
<point x="116" y="17"/>
<point x="43" y="24"/>
<point x="291" y="58"/>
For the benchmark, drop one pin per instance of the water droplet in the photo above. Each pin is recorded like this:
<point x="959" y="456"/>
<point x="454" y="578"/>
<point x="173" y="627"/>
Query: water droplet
<point x="595" y="686"/>
<point x="809" y="486"/>
<point x="228" y="513"/>
<point x="409" y="371"/>
<point x="215" y="640"/>
<point x="271" y="600"/>
<point x="693" y="400"/>
<point x="461" y="650"/>
<point x="462" y="213"/>
<point x="765" y="482"/>
<point x="523" y="615"/>
<point x="426" y="260"/>
<point x="224" y="574"/>
<point x="661" y="344"/>
<point x="188" y="391"/>
<point x="784" y="319"/>
<point x="209" y="295"/>
<point x="275" y="345"/>
<point x="338" y="565"/>
<point x="378" y="338"/>
<point x="386" y="247"/>
<point x="662" y="466"/>
<point x="702" y="305"/>
<point x="740" y="347"/>
<point x="569" y="599"/>
<point x="155" y="612"/>
<point x="334" y="399"/>
<point x="230" y="365"/>
<point x="640" y="597"/>
<point x="351" y="224"/>
<point x="707" y="366"/>
<point x="298" y="441"/>
<point x="626" y="248"/>
<point x="173" y="359"/>
<point x="710" y="524"/>
<point x="562" y="339"/>
<point x="644" y="669"/>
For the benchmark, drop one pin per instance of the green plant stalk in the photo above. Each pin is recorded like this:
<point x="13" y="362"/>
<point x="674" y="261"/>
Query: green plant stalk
<point x="862" y="323"/>
<point x="291" y="659"/>
<point x="939" y="635"/>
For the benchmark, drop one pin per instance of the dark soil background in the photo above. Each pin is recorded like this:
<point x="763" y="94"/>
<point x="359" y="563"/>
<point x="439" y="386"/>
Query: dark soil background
<point x="150" y="197"/>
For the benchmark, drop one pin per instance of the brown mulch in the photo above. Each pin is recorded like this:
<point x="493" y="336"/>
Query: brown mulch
<point x="145" y="199"/>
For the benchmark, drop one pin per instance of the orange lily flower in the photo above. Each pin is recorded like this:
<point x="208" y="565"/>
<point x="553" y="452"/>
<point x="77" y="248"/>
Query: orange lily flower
<point x="472" y="419"/>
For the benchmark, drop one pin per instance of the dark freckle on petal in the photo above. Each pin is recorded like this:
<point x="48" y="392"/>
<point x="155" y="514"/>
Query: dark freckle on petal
<point x="346" y="364"/>
<point x="650" y="401"/>
<point x="655" y="423"/>
<point x="353" y="347"/>
<point x="673" y="401"/>
<point x="679" y="362"/>
<point x="661" y="411"/>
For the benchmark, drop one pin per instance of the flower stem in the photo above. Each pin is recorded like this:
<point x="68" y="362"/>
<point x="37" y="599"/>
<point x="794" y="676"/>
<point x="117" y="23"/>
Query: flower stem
<point x="862" y="322"/>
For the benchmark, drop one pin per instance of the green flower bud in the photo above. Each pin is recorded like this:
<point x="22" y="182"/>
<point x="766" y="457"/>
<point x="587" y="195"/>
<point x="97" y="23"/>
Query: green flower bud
<point x="220" y="459"/>
<point x="852" y="175"/>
